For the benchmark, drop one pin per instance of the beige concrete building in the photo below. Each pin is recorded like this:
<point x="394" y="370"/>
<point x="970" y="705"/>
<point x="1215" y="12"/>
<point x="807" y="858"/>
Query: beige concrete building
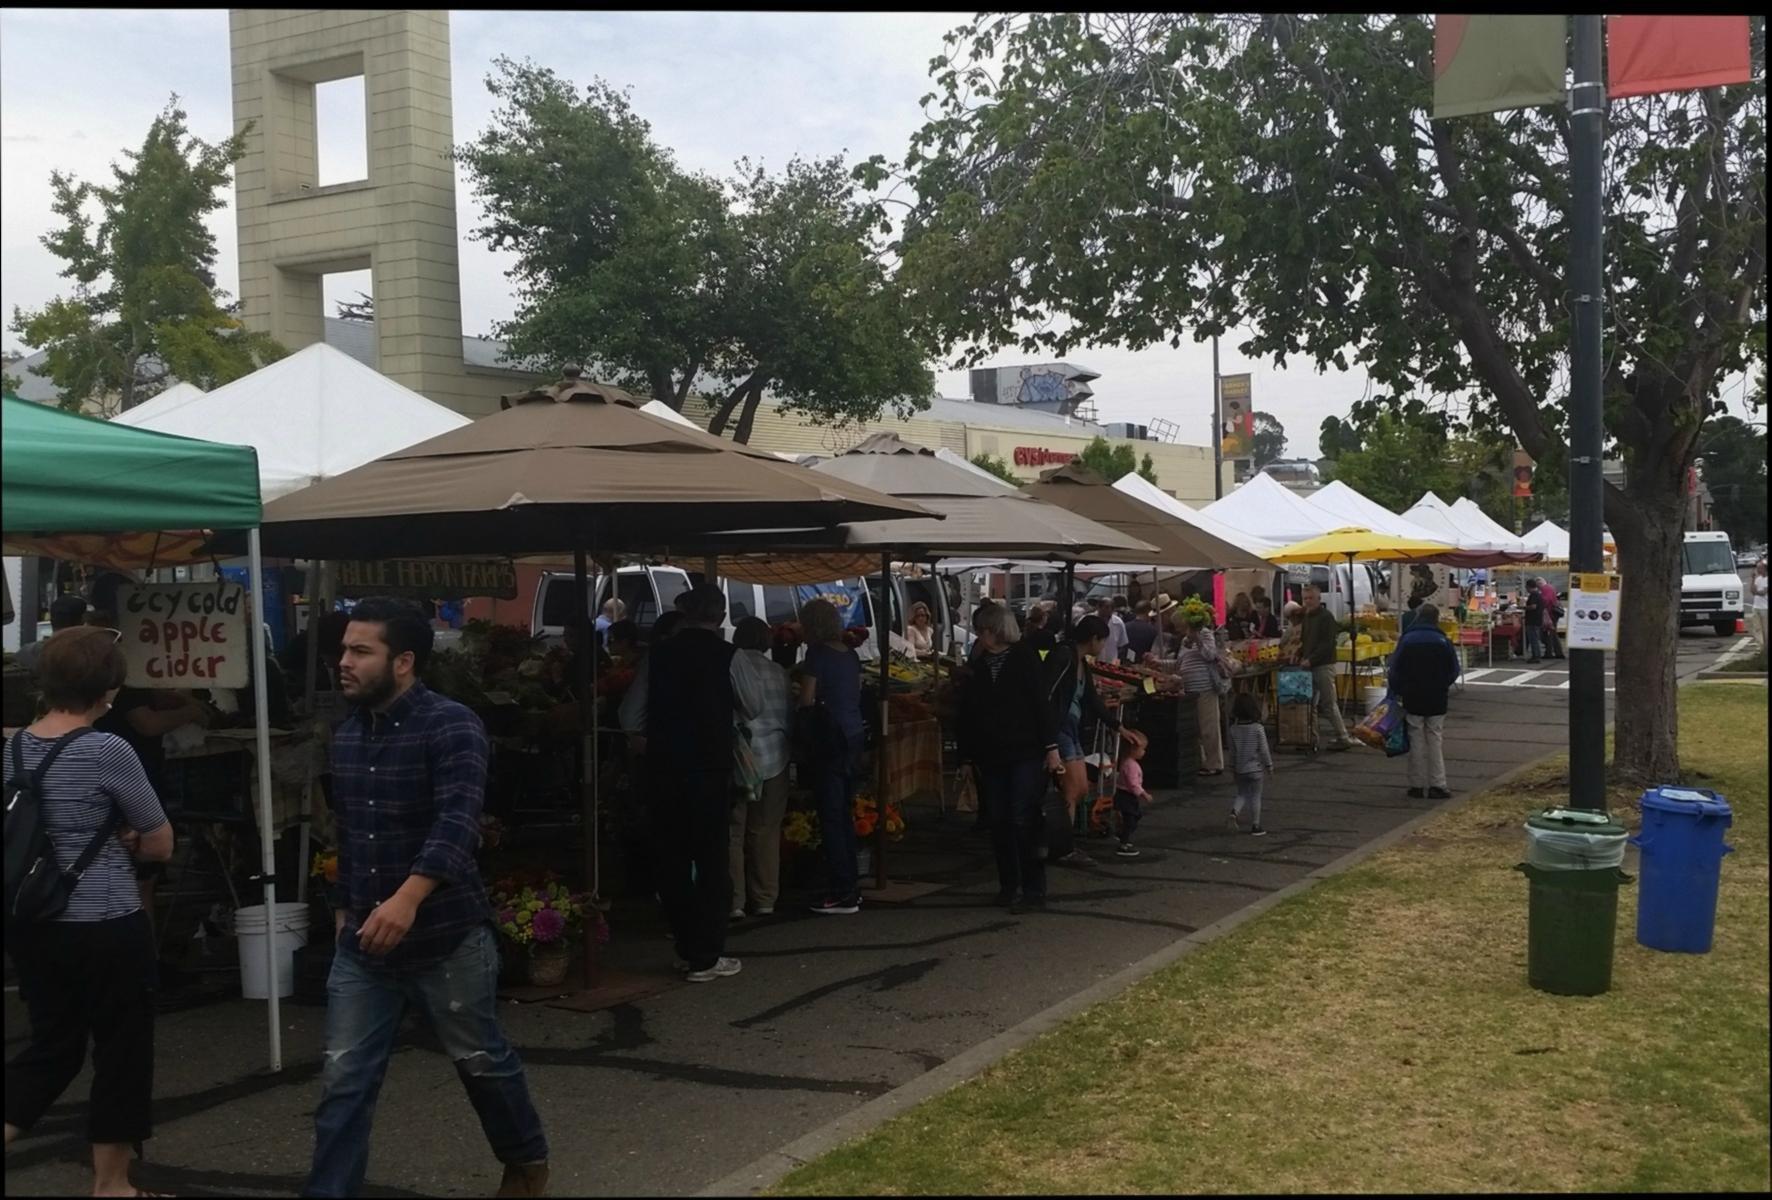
<point x="399" y="223"/>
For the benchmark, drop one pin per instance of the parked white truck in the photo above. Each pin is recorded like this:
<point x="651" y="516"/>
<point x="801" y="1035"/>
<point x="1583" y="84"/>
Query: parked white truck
<point x="1710" y="588"/>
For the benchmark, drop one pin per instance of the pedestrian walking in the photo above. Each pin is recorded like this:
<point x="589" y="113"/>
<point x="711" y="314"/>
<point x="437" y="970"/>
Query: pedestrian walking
<point x="1759" y="610"/>
<point x="1553" y="612"/>
<point x="690" y="709"/>
<point x="414" y="928"/>
<point x="1422" y="672"/>
<point x="761" y="687"/>
<point x="87" y="973"/>
<point x="1070" y="692"/>
<point x="831" y="734"/>
<point x="1009" y="733"/>
<point x="1251" y="760"/>
<point x="1130" y="796"/>
<point x="1532" y="620"/>
<point x="1317" y="651"/>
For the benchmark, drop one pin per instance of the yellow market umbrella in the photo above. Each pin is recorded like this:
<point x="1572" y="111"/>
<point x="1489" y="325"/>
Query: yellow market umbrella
<point x="1354" y="542"/>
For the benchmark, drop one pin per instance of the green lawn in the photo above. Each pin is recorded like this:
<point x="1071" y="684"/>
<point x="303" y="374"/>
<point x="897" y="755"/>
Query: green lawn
<point x="1376" y="1034"/>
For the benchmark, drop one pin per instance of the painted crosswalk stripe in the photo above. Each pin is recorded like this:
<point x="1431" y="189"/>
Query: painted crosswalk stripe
<point x="1525" y="678"/>
<point x="1473" y="676"/>
<point x="1563" y="684"/>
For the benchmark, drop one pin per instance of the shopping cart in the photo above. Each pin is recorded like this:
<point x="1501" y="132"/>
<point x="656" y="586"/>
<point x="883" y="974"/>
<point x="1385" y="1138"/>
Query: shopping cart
<point x="1295" y="711"/>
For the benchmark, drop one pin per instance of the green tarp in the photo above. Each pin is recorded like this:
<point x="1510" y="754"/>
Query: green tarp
<point x="62" y="473"/>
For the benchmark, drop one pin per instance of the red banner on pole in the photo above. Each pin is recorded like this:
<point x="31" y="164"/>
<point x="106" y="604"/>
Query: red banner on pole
<point x="1645" y="55"/>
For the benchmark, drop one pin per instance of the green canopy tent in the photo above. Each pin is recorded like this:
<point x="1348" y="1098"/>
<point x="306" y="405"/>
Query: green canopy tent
<point x="64" y="477"/>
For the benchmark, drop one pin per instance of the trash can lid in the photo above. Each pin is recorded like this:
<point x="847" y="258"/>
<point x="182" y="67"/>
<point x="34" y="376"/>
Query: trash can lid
<point x="1577" y="820"/>
<point x="1690" y="802"/>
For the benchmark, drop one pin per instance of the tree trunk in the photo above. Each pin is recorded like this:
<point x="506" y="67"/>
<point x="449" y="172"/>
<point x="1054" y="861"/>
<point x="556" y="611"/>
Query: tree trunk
<point x="723" y="414"/>
<point x="1648" y="523"/>
<point x="748" y="417"/>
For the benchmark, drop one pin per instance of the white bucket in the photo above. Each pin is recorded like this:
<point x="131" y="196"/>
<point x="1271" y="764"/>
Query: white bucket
<point x="249" y="932"/>
<point x="1370" y="697"/>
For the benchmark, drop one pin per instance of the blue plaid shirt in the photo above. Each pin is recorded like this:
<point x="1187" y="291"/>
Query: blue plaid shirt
<point x="407" y="788"/>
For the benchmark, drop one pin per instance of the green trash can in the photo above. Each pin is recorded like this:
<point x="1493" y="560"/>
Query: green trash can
<point x="1573" y="860"/>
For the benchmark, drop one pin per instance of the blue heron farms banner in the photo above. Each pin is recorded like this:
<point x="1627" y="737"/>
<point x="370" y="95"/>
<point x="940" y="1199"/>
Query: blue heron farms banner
<point x="850" y="596"/>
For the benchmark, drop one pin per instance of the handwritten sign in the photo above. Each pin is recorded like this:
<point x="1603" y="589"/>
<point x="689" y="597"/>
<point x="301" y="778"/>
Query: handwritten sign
<point x="184" y="635"/>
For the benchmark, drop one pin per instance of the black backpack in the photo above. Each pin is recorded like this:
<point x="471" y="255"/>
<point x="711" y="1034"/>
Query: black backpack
<point x="37" y="889"/>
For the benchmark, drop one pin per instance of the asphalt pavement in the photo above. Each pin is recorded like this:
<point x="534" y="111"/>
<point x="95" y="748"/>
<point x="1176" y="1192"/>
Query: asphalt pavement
<point x="666" y="1094"/>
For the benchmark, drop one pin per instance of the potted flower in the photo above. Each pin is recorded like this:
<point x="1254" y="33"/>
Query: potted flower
<point x="542" y="919"/>
<point x="784" y="643"/>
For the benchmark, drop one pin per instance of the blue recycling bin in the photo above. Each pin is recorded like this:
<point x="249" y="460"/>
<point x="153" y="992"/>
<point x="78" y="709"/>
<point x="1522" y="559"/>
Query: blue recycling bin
<point x="1682" y="857"/>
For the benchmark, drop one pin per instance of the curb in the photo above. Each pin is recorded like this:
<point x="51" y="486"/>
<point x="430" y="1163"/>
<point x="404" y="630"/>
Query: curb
<point x="768" y="1170"/>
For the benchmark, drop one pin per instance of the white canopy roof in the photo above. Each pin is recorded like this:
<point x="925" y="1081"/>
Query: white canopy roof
<point x="313" y="415"/>
<point x="174" y="397"/>
<point x="1351" y="508"/>
<point x="1469" y="514"/>
<point x="1140" y="488"/>
<point x="1265" y="508"/>
<point x="1555" y="539"/>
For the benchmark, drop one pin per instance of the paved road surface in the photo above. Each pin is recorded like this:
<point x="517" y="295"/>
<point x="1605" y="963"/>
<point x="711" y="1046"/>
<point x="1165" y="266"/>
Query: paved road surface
<point x="668" y="1094"/>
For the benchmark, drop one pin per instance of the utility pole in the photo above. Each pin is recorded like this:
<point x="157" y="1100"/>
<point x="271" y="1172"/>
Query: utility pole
<point x="1587" y="668"/>
<point x="1217" y="426"/>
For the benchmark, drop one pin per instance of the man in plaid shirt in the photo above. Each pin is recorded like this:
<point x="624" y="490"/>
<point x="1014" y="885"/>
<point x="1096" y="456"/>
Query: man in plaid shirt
<point x="414" y="928"/>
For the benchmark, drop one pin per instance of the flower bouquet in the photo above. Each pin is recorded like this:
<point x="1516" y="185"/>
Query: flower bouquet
<point x="855" y="636"/>
<point x="784" y="643"/>
<point x="1195" y="611"/>
<point x="541" y="918"/>
<point x="867" y="818"/>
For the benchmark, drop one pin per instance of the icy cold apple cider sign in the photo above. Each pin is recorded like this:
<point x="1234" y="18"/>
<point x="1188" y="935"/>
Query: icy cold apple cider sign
<point x="184" y="635"/>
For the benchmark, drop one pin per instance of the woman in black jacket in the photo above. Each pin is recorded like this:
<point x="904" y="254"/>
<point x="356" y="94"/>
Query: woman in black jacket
<point x="1008" y="734"/>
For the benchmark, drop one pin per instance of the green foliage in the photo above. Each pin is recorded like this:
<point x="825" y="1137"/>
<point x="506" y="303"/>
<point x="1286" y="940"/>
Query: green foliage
<point x="662" y="276"/>
<point x="144" y="309"/>
<point x="1270" y="439"/>
<point x="1114" y="461"/>
<point x="1735" y="471"/>
<point x="996" y="466"/>
<point x="1121" y="178"/>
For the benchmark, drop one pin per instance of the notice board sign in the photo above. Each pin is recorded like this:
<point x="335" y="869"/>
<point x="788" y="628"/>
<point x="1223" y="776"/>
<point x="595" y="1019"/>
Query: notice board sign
<point x="431" y="578"/>
<point x="184" y="635"/>
<point x="1593" y="611"/>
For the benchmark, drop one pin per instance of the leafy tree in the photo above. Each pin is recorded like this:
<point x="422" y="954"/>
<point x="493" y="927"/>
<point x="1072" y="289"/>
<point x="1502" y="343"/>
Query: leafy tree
<point x="664" y="277"/>
<point x="360" y="309"/>
<point x="1123" y="178"/>
<point x="996" y="466"/>
<point x="144" y="309"/>
<point x="1270" y="439"/>
<point x="1113" y="461"/>
<point x="1735" y="472"/>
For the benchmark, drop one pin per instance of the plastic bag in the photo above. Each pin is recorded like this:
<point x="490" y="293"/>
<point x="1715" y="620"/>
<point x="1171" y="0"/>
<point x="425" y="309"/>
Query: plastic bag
<point x="965" y="792"/>
<point x="1574" y="849"/>
<point x="1385" y="729"/>
<point x="1295" y="687"/>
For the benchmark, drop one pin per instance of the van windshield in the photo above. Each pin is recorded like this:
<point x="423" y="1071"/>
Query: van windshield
<point x="1709" y="558"/>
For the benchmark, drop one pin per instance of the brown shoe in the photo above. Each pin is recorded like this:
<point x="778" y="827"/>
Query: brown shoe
<point x="524" y="1179"/>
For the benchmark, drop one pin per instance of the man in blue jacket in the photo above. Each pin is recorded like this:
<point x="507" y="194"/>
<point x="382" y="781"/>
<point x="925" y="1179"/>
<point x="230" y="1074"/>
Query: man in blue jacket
<point x="1422" y="672"/>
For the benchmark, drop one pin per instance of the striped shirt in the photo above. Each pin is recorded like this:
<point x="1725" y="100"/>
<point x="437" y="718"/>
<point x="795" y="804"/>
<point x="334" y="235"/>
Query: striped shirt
<point x="1249" y="752"/>
<point x="407" y="789"/>
<point x="94" y="777"/>
<point x="1198" y="672"/>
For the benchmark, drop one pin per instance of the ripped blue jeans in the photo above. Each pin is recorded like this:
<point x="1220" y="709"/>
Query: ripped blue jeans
<point x="364" y="1008"/>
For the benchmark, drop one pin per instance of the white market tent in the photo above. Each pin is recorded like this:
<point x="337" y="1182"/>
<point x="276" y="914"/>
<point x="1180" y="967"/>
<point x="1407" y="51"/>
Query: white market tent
<point x="1266" y="508"/>
<point x="174" y="397"/>
<point x="1431" y="512"/>
<point x="1470" y="515"/>
<point x="311" y="416"/>
<point x="1140" y="488"/>
<point x="1351" y="508"/>
<point x="1554" y="538"/>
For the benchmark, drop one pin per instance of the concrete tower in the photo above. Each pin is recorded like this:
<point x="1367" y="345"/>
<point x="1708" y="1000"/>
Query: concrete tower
<point x="399" y="222"/>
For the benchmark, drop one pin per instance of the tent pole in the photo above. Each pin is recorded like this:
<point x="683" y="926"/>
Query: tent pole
<point x="587" y="724"/>
<point x="884" y="619"/>
<point x="316" y="584"/>
<point x="267" y="834"/>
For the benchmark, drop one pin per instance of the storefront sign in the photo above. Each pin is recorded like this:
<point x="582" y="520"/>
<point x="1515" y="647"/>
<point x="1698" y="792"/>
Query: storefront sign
<point x="1035" y="456"/>
<point x="432" y="578"/>
<point x="184" y="635"/>
<point x="1593" y="611"/>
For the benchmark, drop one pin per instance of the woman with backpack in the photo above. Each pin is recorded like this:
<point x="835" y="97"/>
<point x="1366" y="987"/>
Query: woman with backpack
<point x="76" y="928"/>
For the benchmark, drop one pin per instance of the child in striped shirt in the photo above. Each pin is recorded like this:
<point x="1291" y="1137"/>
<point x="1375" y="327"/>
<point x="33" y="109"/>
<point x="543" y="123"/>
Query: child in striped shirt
<point x="1250" y="760"/>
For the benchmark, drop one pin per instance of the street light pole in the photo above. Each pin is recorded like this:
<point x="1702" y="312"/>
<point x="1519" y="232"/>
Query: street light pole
<point x="1217" y="426"/>
<point x="1587" y="668"/>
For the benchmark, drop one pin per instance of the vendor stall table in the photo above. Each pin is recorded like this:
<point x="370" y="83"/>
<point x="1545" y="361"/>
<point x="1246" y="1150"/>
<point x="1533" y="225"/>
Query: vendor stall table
<point x="913" y="760"/>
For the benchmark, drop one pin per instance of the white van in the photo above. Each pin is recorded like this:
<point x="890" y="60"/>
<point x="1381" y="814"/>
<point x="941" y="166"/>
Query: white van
<point x="1710" y="588"/>
<point x="646" y="591"/>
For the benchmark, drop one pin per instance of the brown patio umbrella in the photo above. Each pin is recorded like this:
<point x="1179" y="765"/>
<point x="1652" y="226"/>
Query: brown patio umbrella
<point x="563" y="468"/>
<point x="1077" y="489"/>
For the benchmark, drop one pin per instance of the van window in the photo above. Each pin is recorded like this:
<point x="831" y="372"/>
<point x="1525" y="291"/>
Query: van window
<point x="778" y="605"/>
<point x="556" y="602"/>
<point x="635" y="593"/>
<point x="1709" y="558"/>
<point x="738" y="601"/>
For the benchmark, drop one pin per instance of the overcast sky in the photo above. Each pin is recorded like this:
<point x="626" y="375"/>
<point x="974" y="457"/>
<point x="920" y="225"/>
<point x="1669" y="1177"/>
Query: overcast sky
<point x="77" y="86"/>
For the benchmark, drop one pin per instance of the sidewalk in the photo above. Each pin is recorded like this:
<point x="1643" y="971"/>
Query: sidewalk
<point x="675" y="1091"/>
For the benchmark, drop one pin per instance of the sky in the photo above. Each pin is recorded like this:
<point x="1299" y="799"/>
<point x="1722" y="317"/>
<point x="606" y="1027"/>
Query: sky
<point x="715" y="86"/>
